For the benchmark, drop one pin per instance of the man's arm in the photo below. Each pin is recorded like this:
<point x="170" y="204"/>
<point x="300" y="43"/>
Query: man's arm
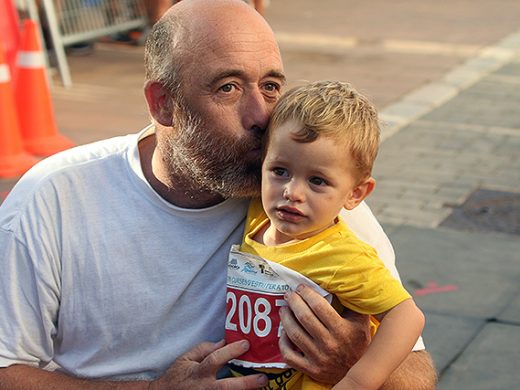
<point x="196" y="369"/>
<point x="328" y="345"/>
<point x="417" y="372"/>
<point x="21" y="377"/>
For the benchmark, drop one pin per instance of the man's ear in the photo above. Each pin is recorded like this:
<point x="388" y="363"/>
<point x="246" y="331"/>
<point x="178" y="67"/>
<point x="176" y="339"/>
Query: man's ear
<point x="159" y="101"/>
<point x="360" y="192"/>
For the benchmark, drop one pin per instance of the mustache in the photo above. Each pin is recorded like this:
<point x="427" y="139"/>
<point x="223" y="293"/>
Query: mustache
<point x="235" y="149"/>
<point x="204" y="137"/>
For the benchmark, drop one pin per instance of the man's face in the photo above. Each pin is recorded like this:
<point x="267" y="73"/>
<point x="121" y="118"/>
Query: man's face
<point x="231" y="84"/>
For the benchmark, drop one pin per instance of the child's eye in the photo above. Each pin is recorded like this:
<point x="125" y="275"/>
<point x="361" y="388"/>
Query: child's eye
<point x="317" y="181"/>
<point x="280" y="172"/>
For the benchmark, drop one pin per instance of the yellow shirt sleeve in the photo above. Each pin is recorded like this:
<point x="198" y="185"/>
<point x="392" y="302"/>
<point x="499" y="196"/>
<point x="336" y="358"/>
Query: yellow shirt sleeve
<point x="362" y="283"/>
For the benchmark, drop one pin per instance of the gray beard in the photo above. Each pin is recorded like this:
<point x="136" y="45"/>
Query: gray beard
<point x="208" y="162"/>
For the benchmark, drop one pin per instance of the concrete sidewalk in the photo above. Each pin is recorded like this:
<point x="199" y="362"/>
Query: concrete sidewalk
<point x="452" y="132"/>
<point x="444" y="143"/>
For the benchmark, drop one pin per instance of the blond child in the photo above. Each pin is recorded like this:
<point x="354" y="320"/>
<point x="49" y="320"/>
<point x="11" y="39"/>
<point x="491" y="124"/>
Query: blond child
<point x="320" y="148"/>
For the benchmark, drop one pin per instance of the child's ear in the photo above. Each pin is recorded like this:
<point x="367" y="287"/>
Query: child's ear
<point x="159" y="103"/>
<point x="360" y="192"/>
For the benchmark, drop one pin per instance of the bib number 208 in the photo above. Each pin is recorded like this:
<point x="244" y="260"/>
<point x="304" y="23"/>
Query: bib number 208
<point x="252" y="312"/>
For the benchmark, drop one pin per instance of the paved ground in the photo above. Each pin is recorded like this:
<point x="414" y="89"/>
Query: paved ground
<point x="460" y="138"/>
<point x="446" y="76"/>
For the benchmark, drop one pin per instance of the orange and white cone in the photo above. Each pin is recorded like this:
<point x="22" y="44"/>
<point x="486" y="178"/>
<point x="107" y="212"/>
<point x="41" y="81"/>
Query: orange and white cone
<point x="9" y="31"/>
<point x="14" y="161"/>
<point x="33" y="99"/>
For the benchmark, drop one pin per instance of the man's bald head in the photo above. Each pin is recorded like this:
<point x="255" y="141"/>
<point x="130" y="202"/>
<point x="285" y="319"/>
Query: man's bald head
<point x="171" y="47"/>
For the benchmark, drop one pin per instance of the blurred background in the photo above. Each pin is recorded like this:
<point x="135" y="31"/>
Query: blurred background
<point x="445" y="76"/>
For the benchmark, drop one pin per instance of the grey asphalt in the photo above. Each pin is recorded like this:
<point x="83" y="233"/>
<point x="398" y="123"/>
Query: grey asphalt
<point x="446" y="77"/>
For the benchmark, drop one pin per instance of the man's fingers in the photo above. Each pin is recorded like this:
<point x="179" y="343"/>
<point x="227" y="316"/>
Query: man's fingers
<point x="326" y="314"/>
<point x="217" y="358"/>
<point x="200" y="351"/>
<point x="296" y="333"/>
<point x="291" y="355"/>
<point x="243" y="382"/>
<point x="304" y="313"/>
<point x="197" y="369"/>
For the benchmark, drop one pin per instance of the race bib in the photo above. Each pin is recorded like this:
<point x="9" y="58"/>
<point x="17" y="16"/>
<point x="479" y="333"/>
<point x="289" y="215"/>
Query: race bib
<point x="255" y="293"/>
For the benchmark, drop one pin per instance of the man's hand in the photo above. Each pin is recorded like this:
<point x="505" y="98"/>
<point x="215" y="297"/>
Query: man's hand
<point x="197" y="369"/>
<point x="317" y="340"/>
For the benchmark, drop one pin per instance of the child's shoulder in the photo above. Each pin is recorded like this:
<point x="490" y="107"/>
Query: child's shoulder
<point x="347" y="237"/>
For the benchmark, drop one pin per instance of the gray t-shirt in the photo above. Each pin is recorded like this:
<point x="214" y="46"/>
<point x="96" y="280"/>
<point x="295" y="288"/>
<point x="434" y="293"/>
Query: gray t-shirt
<point x="100" y="274"/>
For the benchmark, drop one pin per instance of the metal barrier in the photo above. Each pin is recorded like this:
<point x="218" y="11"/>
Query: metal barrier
<point x="74" y="21"/>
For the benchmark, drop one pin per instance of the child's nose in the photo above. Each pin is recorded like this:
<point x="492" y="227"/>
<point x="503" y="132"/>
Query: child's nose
<point x="293" y="192"/>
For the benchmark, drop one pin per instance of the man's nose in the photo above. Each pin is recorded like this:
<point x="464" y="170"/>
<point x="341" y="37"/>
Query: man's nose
<point x="257" y="111"/>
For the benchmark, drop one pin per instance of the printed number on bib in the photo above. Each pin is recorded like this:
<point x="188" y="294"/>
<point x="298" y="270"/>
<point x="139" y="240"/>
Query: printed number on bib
<point x="247" y="312"/>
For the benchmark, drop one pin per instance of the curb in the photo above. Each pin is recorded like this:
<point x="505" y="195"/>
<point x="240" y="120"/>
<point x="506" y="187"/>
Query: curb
<point x="425" y="99"/>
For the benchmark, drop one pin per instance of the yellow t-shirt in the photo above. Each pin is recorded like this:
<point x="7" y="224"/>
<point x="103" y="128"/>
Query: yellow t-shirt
<point x="337" y="261"/>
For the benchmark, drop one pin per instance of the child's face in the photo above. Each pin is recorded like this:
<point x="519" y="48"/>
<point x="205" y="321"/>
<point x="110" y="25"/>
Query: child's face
<point x="305" y="185"/>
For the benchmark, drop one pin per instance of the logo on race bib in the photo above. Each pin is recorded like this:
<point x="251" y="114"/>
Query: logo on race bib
<point x="266" y="270"/>
<point x="249" y="268"/>
<point x="233" y="263"/>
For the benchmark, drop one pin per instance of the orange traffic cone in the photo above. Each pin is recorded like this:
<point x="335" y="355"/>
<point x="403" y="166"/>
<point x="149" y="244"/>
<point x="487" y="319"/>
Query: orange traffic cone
<point x="13" y="159"/>
<point x="9" y="31"/>
<point x="33" y="99"/>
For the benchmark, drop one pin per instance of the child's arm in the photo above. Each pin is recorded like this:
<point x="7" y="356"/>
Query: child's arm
<point x="400" y="327"/>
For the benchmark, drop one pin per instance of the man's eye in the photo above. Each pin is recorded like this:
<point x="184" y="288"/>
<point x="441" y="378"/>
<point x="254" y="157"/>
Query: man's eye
<point x="272" y="87"/>
<point x="272" y="90"/>
<point x="317" y="181"/>
<point x="280" y="172"/>
<point x="227" y="87"/>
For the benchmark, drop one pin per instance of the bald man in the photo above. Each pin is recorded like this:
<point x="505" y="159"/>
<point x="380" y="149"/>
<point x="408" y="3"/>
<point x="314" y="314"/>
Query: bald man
<point x="113" y="254"/>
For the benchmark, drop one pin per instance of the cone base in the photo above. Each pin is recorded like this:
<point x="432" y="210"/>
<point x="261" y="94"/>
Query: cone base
<point x="16" y="165"/>
<point x="45" y="146"/>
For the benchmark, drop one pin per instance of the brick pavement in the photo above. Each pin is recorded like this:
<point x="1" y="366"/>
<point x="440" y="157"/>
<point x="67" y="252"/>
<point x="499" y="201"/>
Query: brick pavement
<point x="451" y="137"/>
<point x="442" y="142"/>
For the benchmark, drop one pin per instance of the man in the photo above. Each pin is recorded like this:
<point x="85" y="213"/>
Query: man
<point x="113" y="254"/>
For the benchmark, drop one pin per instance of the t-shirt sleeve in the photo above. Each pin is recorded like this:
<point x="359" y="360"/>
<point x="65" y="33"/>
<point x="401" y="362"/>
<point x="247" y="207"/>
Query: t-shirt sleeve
<point x="365" y="285"/>
<point x="364" y="224"/>
<point x="29" y="302"/>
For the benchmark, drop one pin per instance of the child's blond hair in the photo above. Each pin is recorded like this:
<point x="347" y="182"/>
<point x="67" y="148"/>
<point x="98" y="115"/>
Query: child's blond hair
<point x="332" y="109"/>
